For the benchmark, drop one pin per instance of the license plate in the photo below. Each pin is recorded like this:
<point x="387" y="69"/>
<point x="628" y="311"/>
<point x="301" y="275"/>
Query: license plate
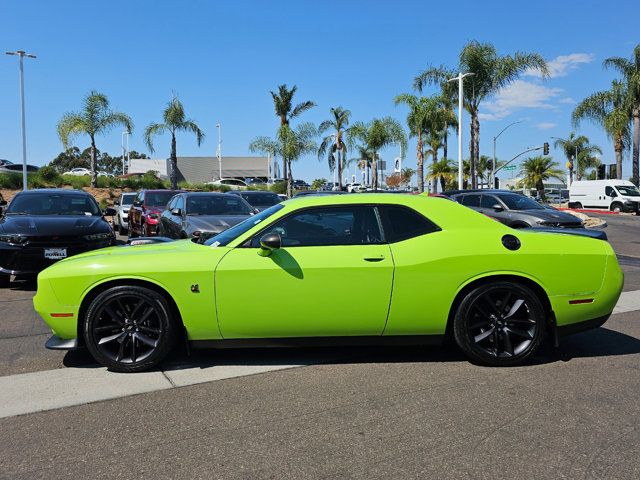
<point x="55" y="253"/>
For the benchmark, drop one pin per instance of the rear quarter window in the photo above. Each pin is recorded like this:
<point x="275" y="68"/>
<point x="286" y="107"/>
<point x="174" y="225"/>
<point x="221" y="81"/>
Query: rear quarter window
<point x="401" y="223"/>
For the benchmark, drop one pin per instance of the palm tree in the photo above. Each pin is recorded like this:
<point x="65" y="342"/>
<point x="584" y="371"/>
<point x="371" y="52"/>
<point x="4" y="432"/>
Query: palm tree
<point x="422" y="117"/>
<point x="570" y="146"/>
<point x="435" y="143"/>
<point x="491" y="73"/>
<point x="611" y="110"/>
<point x="376" y="135"/>
<point x="364" y="160"/>
<point x="630" y="70"/>
<point x="335" y="144"/>
<point x="587" y="159"/>
<point x="442" y="170"/>
<point x="174" y="121"/>
<point x="95" y="118"/>
<point x="285" y="111"/>
<point x="535" y="170"/>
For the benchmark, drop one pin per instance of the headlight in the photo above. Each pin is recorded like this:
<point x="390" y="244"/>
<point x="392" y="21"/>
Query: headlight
<point x="13" y="239"/>
<point x="97" y="236"/>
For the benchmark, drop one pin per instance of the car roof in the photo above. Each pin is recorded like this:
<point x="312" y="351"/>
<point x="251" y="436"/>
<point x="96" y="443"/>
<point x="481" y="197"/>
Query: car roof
<point x="62" y="191"/>
<point x="202" y="194"/>
<point x="482" y="190"/>
<point x="251" y="192"/>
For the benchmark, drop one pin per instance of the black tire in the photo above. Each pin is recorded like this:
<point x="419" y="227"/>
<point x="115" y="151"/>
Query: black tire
<point x="617" y="207"/>
<point x="499" y="324"/>
<point x="5" y="280"/>
<point x="129" y="328"/>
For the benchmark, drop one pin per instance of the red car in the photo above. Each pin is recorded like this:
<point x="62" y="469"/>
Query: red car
<point x="145" y="211"/>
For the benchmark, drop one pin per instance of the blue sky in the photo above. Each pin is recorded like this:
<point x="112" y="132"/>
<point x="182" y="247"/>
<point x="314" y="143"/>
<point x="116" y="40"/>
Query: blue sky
<point x="222" y="58"/>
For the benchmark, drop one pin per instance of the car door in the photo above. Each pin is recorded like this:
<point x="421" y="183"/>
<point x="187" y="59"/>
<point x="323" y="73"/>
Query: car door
<point x="487" y="204"/>
<point x="332" y="277"/>
<point x="165" y="218"/>
<point x="177" y="221"/>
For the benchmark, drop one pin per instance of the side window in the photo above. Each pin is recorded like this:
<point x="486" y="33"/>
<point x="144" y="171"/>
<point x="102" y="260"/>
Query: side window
<point x="180" y="203"/>
<point x="471" y="200"/>
<point x="488" y="201"/>
<point x="610" y="192"/>
<point x="401" y="223"/>
<point x="353" y="225"/>
<point x="171" y="204"/>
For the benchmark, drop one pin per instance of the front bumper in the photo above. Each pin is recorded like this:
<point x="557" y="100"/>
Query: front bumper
<point x="57" y="343"/>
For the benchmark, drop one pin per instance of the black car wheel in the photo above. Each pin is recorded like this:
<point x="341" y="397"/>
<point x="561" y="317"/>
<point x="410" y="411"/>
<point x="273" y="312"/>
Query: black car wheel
<point x="129" y="328"/>
<point x="616" y="207"/>
<point x="499" y="324"/>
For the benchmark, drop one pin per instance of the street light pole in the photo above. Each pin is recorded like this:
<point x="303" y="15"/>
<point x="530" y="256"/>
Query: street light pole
<point x="21" y="54"/>
<point x="492" y="177"/>
<point x="125" y="151"/>
<point x="219" y="151"/>
<point x="460" y="96"/>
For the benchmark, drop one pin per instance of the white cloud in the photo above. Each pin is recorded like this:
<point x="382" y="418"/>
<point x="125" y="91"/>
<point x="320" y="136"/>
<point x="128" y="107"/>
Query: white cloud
<point x="520" y="94"/>
<point x="546" y="125"/>
<point x="563" y="64"/>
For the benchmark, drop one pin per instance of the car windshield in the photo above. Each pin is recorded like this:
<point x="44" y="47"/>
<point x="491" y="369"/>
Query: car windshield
<point x="234" y="232"/>
<point x="53" y="204"/>
<point x="217" y="205"/>
<point x="628" y="191"/>
<point x="262" y="199"/>
<point x="158" y="199"/>
<point x="128" y="198"/>
<point x="520" y="202"/>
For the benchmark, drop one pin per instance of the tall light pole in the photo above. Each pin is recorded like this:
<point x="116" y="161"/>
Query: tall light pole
<point x="125" y="151"/>
<point x="459" y="79"/>
<point x="21" y="54"/>
<point x="219" y="151"/>
<point x="492" y="177"/>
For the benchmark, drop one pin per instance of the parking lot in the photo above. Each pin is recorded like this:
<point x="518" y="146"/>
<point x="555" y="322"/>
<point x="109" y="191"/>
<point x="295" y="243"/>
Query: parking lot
<point x="330" y="412"/>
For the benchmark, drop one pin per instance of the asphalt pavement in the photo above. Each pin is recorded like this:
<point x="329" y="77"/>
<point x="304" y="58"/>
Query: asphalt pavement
<point x="334" y="413"/>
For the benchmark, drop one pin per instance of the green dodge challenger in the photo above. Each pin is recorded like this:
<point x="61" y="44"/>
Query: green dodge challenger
<point x="345" y="269"/>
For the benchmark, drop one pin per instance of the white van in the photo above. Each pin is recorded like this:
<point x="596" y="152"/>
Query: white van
<point x="614" y="195"/>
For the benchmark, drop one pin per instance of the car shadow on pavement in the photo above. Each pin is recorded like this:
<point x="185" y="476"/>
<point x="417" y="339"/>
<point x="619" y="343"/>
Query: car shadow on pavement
<point x="24" y="285"/>
<point x="601" y="342"/>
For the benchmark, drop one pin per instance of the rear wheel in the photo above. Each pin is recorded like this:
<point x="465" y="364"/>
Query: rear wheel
<point x="129" y="328"/>
<point x="499" y="324"/>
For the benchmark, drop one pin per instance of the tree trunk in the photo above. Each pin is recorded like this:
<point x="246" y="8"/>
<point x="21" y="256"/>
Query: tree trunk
<point x="434" y="180"/>
<point x="420" y="159"/>
<point x="635" y="156"/>
<point x="289" y="181"/>
<point x="94" y="173"/>
<point x="374" y="172"/>
<point x="284" y="169"/>
<point x="474" y="143"/>
<point x="540" y="189"/>
<point x="174" y="163"/>
<point x="445" y="147"/>
<point x="339" y="170"/>
<point x="443" y="183"/>
<point x="619" y="147"/>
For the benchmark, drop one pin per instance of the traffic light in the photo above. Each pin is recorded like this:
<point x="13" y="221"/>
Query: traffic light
<point x="545" y="148"/>
<point x="601" y="172"/>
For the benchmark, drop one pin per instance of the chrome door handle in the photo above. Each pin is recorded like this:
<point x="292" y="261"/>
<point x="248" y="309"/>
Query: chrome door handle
<point x="374" y="259"/>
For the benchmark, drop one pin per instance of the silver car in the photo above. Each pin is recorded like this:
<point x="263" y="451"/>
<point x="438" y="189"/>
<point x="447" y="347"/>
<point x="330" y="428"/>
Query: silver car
<point x="121" y="219"/>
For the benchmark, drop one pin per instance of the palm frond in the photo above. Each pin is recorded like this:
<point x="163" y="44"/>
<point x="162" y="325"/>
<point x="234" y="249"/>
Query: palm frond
<point x="152" y="130"/>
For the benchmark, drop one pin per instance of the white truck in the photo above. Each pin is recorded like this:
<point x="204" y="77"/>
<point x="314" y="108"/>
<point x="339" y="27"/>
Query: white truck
<point x="614" y="195"/>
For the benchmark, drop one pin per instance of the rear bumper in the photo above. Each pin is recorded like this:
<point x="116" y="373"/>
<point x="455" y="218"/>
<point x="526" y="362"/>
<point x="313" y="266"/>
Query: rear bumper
<point x="572" y="328"/>
<point x="57" y="343"/>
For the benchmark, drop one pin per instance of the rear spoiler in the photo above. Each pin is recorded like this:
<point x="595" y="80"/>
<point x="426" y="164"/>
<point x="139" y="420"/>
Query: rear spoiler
<point x="583" y="232"/>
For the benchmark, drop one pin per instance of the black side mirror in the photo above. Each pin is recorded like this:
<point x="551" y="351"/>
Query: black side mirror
<point x="177" y="212"/>
<point x="110" y="212"/>
<point x="498" y="208"/>
<point x="117" y="202"/>
<point x="269" y="243"/>
<point x="3" y="203"/>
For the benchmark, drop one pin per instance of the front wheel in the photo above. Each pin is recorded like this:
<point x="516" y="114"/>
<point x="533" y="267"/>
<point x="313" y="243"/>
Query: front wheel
<point x="616" y="207"/>
<point x="129" y="328"/>
<point x="499" y="324"/>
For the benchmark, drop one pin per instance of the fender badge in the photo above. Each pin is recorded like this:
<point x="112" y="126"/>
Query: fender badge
<point x="195" y="288"/>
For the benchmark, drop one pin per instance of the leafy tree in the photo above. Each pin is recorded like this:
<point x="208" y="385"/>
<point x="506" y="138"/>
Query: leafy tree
<point x="376" y="135"/>
<point x="95" y="119"/>
<point x="71" y="158"/>
<point x="174" y="121"/>
<point x="535" y="170"/>
<point x="285" y="111"/>
<point x="491" y="73"/>
<point x="434" y="141"/>
<point x="442" y="170"/>
<point x="334" y="145"/>
<point x="630" y="71"/>
<point x="611" y="110"/>
<point x="318" y="183"/>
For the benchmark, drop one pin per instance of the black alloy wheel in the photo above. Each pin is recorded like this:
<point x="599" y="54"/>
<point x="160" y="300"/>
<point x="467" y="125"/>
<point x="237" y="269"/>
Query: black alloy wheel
<point x="129" y="328"/>
<point x="500" y="324"/>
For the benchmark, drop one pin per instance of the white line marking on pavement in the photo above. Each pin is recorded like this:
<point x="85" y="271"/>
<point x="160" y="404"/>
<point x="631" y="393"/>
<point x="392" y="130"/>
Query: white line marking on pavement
<point x="67" y="387"/>
<point x="628" y="302"/>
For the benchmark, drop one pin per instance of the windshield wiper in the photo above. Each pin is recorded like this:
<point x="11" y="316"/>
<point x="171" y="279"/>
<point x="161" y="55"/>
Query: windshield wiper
<point x="18" y="213"/>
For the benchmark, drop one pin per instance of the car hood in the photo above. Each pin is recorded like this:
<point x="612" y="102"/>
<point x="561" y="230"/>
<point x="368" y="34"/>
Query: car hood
<point x="551" y="215"/>
<point x="52" y="225"/>
<point x="214" y="223"/>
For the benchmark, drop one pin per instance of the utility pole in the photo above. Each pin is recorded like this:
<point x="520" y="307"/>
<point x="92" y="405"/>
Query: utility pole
<point x="21" y="54"/>
<point x="459" y="79"/>
<point x="219" y="151"/>
<point x="126" y="160"/>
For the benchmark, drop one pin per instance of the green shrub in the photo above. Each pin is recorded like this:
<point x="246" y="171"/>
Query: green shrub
<point x="279" y="187"/>
<point x="76" y="182"/>
<point x="50" y="175"/>
<point x="10" y="180"/>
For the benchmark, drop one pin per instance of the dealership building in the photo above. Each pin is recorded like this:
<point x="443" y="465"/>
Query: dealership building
<point x="207" y="169"/>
